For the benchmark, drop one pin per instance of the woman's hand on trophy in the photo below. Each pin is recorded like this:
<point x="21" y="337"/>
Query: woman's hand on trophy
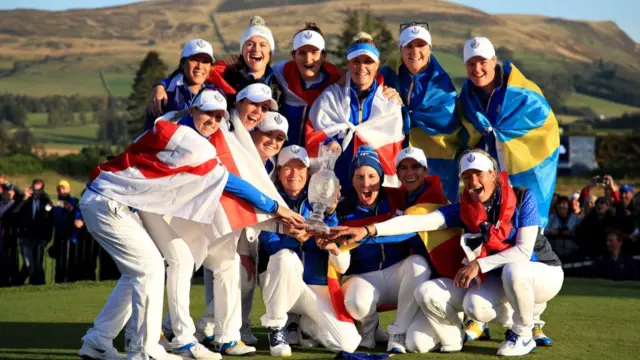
<point x="291" y="218"/>
<point x="336" y="200"/>
<point x="301" y="235"/>
<point x="329" y="245"/>
<point x="347" y="235"/>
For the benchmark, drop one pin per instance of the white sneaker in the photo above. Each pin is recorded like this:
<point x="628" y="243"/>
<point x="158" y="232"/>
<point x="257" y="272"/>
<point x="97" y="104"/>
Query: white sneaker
<point x="91" y="352"/>
<point x="368" y="340"/>
<point x="278" y="345"/>
<point x="165" y="343"/>
<point x="306" y="341"/>
<point x="515" y="345"/>
<point x="196" y="351"/>
<point x="247" y="336"/>
<point x="396" y="344"/>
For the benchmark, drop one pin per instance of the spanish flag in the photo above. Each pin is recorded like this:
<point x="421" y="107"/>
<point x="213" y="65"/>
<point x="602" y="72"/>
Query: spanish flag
<point x="527" y="138"/>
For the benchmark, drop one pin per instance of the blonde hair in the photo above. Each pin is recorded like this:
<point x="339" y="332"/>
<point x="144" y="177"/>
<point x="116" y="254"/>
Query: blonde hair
<point x="363" y="38"/>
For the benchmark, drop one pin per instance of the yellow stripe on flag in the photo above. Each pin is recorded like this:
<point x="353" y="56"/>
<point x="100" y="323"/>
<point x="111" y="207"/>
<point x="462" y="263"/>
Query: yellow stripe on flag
<point x="528" y="151"/>
<point x="432" y="239"/>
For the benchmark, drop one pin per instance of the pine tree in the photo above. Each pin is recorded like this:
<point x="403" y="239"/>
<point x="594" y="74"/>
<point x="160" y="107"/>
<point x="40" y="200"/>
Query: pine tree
<point x="152" y="69"/>
<point x="350" y="29"/>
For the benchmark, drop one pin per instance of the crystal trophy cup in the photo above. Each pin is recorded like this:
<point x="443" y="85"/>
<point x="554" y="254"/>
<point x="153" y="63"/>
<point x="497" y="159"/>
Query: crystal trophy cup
<point x="323" y="189"/>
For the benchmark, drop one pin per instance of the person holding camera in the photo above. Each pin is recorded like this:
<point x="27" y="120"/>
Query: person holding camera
<point x="606" y="181"/>
<point x="34" y="222"/>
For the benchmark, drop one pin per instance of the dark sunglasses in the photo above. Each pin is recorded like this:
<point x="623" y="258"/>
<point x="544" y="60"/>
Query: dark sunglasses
<point x="423" y="24"/>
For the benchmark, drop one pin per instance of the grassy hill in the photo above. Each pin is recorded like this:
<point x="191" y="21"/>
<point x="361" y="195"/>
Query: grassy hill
<point x="592" y="319"/>
<point x="63" y="52"/>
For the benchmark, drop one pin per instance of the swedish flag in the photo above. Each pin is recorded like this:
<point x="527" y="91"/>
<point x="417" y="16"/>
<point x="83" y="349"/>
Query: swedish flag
<point x="519" y="129"/>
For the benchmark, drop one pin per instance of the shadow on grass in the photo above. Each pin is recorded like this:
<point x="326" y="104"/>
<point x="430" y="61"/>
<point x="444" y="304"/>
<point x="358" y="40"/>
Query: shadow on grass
<point x="34" y="335"/>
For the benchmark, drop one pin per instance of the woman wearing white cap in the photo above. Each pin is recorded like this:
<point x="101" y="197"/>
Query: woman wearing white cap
<point x="185" y="82"/>
<point x="256" y="48"/>
<point x="356" y="113"/>
<point x="304" y="77"/>
<point x="183" y="249"/>
<point x="293" y="271"/>
<point x="169" y="171"/>
<point x="429" y="100"/>
<point x="507" y="252"/>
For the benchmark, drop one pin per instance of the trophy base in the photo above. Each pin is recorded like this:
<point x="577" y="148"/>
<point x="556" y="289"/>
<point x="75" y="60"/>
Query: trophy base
<point x="318" y="226"/>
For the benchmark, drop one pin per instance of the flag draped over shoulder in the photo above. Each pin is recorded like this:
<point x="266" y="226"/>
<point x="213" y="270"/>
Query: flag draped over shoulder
<point x="169" y="170"/>
<point x="288" y="76"/>
<point x="329" y="117"/>
<point x="237" y="152"/>
<point x="526" y="135"/>
<point x="430" y="118"/>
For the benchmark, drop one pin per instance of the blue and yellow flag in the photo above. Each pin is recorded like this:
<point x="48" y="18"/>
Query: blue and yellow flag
<point x="430" y="118"/>
<point x="519" y="129"/>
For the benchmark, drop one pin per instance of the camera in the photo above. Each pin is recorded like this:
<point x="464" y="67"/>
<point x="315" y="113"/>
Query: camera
<point x="602" y="180"/>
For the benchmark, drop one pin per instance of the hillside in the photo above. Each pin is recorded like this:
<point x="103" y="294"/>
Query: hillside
<point x="63" y="52"/>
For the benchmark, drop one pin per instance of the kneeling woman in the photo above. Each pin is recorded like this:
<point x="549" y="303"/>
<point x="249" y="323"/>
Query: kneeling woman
<point x="515" y="260"/>
<point x="294" y="270"/>
<point x="378" y="274"/>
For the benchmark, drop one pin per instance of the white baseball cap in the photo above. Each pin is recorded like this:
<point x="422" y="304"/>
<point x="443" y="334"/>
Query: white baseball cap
<point x="197" y="46"/>
<point x="412" y="153"/>
<point x="257" y="93"/>
<point x="574" y="195"/>
<point x="478" y="46"/>
<point x="258" y="27"/>
<point x="210" y="100"/>
<point x="308" y="37"/>
<point x="293" y="152"/>
<point x="475" y="161"/>
<point x="414" y="32"/>
<point x="274" y="122"/>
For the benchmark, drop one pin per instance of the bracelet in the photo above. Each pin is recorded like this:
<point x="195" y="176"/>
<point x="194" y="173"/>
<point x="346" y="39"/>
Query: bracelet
<point x="367" y="228"/>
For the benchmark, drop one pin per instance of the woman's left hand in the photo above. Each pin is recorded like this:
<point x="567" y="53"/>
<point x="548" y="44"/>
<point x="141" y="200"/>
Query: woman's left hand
<point x="347" y="235"/>
<point x="466" y="274"/>
<point x="391" y="94"/>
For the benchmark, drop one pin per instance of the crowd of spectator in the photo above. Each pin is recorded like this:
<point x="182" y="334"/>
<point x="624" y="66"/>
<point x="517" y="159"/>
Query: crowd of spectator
<point x="29" y="220"/>
<point x="602" y="230"/>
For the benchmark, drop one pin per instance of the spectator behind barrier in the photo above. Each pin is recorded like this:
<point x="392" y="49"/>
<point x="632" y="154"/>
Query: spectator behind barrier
<point x="625" y="210"/>
<point x="615" y="265"/>
<point x="34" y="231"/>
<point x="62" y="216"/>
<point x="576" y="206"/>
<point x="563" y="222"/>
<point x="591" y="233"/>
<point x="606" y="182"/>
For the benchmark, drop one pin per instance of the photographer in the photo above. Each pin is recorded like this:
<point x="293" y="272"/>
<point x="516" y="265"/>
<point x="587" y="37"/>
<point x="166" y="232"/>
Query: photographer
<point x="62" y="216"/>
<point x="34" y="231"/>
<point x="606" y="182"/>
<point x="590" y="233"/>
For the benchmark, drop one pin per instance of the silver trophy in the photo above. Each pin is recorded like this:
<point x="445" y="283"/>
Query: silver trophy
<point x="323" y="189"/>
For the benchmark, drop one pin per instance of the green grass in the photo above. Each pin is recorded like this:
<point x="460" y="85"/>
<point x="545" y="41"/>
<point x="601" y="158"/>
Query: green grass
<point x="53" y="83"/>
<point x="600" y="106"/>
<point x="73" y="136"/>
<point x="119" y="83"/>
<point x="592" y="319"/>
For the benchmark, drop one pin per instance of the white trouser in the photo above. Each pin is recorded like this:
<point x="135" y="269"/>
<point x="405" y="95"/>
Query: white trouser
<point x="139" y="292"/>
<point x="527" y="284"/>
<point x="420" y="336"/>
<point x="180" y="268"/>
<point x="283" y="290"/>
<point x="394" y="285"/>
<point x="441" y="302"/>
<point x="223" y="317"/>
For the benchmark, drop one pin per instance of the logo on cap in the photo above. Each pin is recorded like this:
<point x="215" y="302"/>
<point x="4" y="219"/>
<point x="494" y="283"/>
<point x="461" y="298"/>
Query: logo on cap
<point x="471" y="158"/>
<point x="308" y="35"/>
<point x="475" y="44"/>
<point x="295" y="149"/>
<point x="217" y="96"/>
<point x="277" y="119"/>
<point x="408" y="150"/>
<point x="266" y="90"/>
<point x="200" y="43"/>
<point x="415" y="30"/>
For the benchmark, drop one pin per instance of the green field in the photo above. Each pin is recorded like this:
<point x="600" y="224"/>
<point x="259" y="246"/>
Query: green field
<point x="62" y="137"/>
<point x="590" y="319"/>
<point x="600" y="106"/>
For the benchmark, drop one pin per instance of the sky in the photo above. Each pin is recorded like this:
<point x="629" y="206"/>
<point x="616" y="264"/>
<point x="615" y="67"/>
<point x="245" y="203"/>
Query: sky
<point x="624" y="12"/>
